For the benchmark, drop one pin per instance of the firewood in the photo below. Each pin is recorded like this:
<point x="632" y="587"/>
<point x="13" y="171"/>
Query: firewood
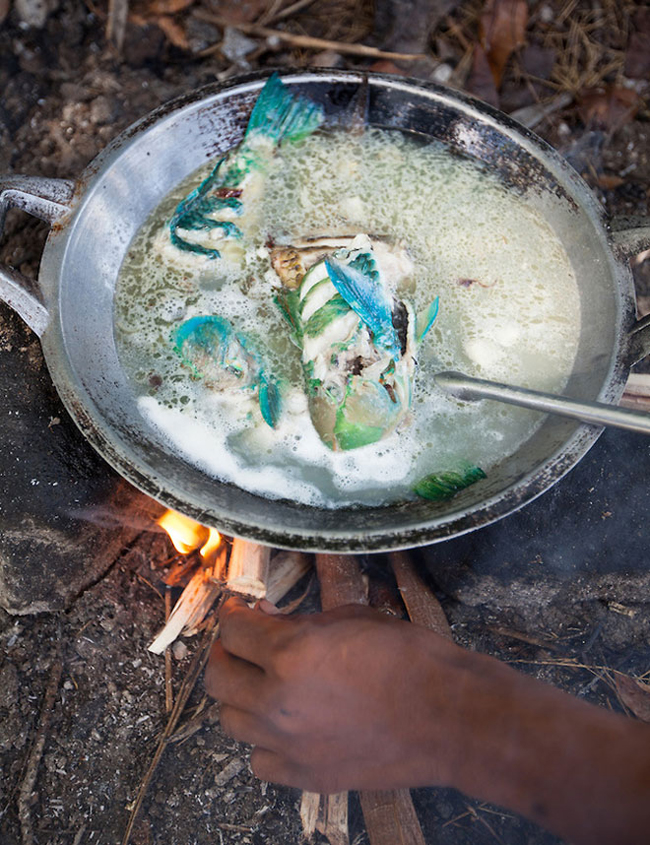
<point x="327" y="814"/>
<point x="341" y="581"/>
<point x="285" y="570"/>
<point x="195" y="601"/>
<point x="248" y="568"/>
<point x="389" y="815"/>
<point x="422" y="606"/>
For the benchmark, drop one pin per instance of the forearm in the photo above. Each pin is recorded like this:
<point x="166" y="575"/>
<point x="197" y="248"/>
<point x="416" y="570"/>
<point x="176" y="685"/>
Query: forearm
<point x="573" y="768"/>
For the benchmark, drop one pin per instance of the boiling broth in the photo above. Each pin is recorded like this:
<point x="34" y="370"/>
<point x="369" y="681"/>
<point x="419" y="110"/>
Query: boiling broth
<point x="509" y="311"/>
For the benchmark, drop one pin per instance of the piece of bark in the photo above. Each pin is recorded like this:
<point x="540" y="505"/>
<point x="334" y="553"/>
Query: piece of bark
<point x="248" y="568"/>
<point x="389" y="815"/>
<point x="341" y="581"/>
<point x="327" y="814"/>
<point x="422" y="606"/>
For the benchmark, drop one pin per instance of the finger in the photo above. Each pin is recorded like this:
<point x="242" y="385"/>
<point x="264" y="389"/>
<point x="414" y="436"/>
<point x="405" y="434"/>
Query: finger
<point x="248" y="633"/>
<point x="234" y="681"/>
<point x="276" y="768"/>
<point x="247" y="727"/>
<point x="268" y="608"/>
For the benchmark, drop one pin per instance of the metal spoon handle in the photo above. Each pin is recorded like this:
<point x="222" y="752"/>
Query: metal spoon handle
<point x="468" y="388"/>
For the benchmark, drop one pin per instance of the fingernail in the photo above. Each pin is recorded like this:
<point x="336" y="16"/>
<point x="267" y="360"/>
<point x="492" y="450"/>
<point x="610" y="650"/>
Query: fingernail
<point x="267" y="607"/>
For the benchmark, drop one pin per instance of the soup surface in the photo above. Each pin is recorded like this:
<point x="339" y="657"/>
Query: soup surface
<point x="509" y="311"/>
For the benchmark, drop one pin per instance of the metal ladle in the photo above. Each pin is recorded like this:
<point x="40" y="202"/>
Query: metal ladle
<point x="470" y="389"/>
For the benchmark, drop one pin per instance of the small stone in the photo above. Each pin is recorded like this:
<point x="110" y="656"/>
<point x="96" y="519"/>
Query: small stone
<point x="101" y="111"/>
<point x="35" y="12"/>
<point x="179" y="650"/>
<point x="236" y="46"/>
<point x="442" y="73"/>
<point x="328" y="58"/>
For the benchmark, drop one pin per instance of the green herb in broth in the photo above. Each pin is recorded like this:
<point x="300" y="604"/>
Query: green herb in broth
<point x="520" y="323"/>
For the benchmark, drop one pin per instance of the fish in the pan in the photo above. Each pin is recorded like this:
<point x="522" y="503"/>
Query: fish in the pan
<point x="228" y="360"/>
<point x="223" y="206"/>
<point x="358" y="340"/>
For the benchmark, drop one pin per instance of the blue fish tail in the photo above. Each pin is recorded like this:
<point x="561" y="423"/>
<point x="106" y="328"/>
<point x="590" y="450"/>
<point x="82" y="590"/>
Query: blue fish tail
<point x="280" y="115"/>
<point x="365" y="294"/>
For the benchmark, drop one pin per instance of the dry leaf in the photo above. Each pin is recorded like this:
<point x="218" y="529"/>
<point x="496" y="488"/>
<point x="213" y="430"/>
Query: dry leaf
<point x="608" y="182"/>
<point x="481" y="80"/>
<point x="386" y="66"/>
<point x="502" y="30"/>
<point x="608" y="107"/>
<point x="173" y="32"/>
<point x="168" y="7"/>
<point x="635" y="695"/>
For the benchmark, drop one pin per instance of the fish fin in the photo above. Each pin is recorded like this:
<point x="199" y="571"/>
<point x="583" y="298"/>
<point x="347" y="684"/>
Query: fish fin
<point x="201" y="338"/>
<point x="366" y="296"/>
<point x="439" y="487"/>
<point x="188" y="246"/>
<point x="280" y="115"/>
<point x="425" y="319"/>
<point x="288" y="301"/>
<point x="270" y="400"/>
<point x="191" y="213"/>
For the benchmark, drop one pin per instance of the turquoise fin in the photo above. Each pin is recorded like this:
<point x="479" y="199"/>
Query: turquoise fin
<point x="425" y="319"/>
<point x="367" y="297"/>
<point x="282" y="116"/>
<point x="270" y="400"/>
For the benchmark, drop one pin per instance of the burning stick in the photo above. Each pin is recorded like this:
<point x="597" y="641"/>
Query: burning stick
<point x="195" y="601"/>
<point x="248" y="568"/>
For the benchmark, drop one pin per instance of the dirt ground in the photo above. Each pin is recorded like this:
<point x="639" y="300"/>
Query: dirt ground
<point x="66" y="91"/>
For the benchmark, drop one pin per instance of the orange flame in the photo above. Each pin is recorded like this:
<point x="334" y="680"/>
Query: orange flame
<point x="188" y="535"/>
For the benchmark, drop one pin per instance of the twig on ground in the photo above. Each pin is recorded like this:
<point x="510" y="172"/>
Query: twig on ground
<point x="33" y="762"/>
<point x="306" y="41"/>
<point x="118" y="13"/>
<point x="169" y="692"/>
<point x="196" y="667"/>
<point x="293" y="9"/>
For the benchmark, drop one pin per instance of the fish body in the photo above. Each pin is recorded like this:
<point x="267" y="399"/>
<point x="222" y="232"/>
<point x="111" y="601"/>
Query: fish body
<point x="223" y="205"/>
<point x="228" y="361"/>
<point x="358" y="345"/>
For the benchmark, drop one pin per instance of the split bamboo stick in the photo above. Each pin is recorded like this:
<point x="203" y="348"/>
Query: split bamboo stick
<point x="248" y="568"/>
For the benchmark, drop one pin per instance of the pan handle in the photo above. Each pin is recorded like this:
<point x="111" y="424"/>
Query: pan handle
<point x="48" y="199"/>
<point x="630" y="236"/>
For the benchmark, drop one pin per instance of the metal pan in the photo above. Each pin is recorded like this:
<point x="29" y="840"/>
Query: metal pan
<point x="94" y="218"/>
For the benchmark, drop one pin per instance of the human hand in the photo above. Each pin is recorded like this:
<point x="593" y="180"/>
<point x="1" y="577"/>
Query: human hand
<point x="348" y="699"/>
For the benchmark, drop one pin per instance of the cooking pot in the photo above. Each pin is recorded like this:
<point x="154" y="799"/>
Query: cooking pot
<point x="94" y="219"/>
